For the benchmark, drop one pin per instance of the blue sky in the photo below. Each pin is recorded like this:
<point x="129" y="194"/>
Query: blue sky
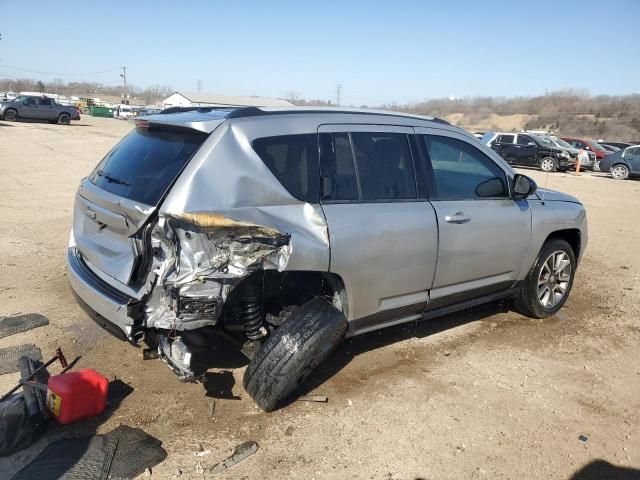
<point x="379" y="51"/>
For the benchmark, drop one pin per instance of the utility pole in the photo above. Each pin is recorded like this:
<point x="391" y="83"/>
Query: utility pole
<point x="199" y="84"/>
<point x="124" y="78"/>
<point x="338" y="94"/>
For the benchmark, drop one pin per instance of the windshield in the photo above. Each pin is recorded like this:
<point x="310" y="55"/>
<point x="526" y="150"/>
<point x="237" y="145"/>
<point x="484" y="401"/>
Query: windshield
<point x="19" y="98"/>
<point x="143" y="165"/>
<point x="486" y="138"/>
<point x="544" y="140"/>
<point x="562" y="143"/>
<point x="597" y="146"/>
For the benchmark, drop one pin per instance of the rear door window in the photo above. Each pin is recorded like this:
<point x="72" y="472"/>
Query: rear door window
<point x="293" y="160"/>
<point x="371" y="167"/>
<point x="145" y="163"/>
<point x="506" y="138"/>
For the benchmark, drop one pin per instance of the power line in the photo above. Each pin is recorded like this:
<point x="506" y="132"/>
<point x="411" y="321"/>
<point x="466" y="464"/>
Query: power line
<point x="58" y="73"/>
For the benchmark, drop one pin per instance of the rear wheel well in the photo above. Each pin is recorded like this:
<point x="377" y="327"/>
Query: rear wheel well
<point x="278" y="290"/>
<point x="571" y="236"/>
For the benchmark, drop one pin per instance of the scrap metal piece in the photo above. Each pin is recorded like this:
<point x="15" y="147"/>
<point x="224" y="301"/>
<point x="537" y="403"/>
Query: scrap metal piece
<point x="177" y="356"/>
<point x="240" y="453"/>
<point x="313" y="398"/>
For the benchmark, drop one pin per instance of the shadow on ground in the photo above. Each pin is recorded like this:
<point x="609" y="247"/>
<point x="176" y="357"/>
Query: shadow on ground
<point x="352" y="347"/>
<point x="601" y="470"/>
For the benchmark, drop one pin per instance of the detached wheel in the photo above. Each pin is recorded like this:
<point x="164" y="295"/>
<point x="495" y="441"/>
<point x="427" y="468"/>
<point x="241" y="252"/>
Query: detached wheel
<point x="293" y="351"/>
<point x="64" y="119"/>
<point x="547" y="286"/>
<point x="620" y="172"/>
<point x="10" y="115"/>
<point x="548" y="164"/>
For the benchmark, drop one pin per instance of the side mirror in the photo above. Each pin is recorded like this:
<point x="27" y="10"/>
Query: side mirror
<point x="523" y="186"/>
<point x="531" y="144"/>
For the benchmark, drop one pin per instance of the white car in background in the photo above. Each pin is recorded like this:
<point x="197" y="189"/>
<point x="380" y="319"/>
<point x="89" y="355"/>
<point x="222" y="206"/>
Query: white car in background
<point x="123" y="112"/>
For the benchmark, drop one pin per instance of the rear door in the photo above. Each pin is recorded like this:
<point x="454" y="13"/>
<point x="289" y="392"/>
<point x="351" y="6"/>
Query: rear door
<point x="46" y="109"/>
<point x="525" y="151"/>
<point x="382" y="229"/>
<point x="504" y="147"/>
<point x="484" y="234"/>
<point x="632" y="156"/>
<point x="114" y="202"/>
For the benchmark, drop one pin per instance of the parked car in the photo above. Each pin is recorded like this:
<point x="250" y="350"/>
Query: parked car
<point x="622" y="164"/>
<point x="587" y="163"/>
<point x="589" y="145"/>
<point x="123" y="112"/>
<point x="610" y="148"/>
<point x="289" y="229"/>
<point x="30" y="107"/>
<point x="620" y="145"/>
<point x="530" y="150"/>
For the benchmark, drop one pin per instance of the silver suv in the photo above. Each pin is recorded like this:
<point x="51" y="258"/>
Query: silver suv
<point x="286" y="230"/>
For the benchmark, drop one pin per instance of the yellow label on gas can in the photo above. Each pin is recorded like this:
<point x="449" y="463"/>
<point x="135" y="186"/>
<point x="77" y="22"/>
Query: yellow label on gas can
<point x="53" y="403"/>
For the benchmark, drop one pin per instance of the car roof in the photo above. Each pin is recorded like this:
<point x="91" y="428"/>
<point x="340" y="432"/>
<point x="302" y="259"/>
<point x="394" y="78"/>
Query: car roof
<point x="206" y="119"/>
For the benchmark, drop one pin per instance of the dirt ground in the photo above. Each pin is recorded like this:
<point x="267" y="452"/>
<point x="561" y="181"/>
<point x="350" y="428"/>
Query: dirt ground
<point x="482" y="394"/>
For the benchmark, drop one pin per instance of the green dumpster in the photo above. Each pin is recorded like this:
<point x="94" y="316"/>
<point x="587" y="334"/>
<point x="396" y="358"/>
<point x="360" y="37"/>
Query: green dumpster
<point x="101" y="111"/>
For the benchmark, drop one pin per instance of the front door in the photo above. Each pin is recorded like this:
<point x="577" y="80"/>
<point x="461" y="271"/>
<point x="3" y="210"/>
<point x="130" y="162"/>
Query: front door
<point x="382" y="229"/>
<point x="484" y="233"/>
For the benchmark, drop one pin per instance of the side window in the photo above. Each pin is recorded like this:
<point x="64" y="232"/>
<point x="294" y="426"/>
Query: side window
<point x="371" y="166"/>
<point x="506" y="138"/>
<point x="524" y="140"/>
<point x="293" y="160"/>
<point x="384" y="165"/>
<point x="45" y="101"/>
<point x="345" y="182"/>
<point x="577" y="144"/>
<point x="29" y="101"/>
<point x="461" y="171"/>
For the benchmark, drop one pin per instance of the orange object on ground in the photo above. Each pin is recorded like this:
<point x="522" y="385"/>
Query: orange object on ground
<point x="77" y="395"/>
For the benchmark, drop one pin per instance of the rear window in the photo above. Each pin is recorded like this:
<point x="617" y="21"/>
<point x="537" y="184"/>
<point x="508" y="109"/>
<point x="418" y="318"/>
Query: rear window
<point x="143" y="165"/>
<point x="293" y="160"/>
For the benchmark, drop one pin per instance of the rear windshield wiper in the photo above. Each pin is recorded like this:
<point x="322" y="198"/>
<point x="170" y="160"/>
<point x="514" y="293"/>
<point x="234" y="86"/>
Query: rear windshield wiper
<point x="111" y="179"/>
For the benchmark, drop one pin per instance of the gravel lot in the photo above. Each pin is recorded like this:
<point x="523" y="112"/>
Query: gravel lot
<point x="482" y="394"/>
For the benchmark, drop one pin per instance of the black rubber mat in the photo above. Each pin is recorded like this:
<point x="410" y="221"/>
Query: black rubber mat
<point x="136" y="451"/>
<point x="9" y="357"/>
<point x="21" y="323"/>
<point x="81" y="458"/>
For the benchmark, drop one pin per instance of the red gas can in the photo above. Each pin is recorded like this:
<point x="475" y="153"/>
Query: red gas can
<point x="77" y="395"/>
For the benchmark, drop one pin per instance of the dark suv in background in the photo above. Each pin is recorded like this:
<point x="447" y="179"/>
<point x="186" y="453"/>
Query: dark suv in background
<point x="530" y="150"/>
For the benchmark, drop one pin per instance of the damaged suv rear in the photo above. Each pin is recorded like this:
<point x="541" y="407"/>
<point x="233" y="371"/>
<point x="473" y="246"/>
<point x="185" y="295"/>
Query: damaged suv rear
<point x="286" y="229"/>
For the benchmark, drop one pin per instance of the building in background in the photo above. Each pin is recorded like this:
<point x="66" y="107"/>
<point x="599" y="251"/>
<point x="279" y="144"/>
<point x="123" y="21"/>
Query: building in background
<point x="177" y="99"/>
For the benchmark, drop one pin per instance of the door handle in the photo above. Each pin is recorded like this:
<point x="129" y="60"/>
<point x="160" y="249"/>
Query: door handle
<point x="457" y="217"/>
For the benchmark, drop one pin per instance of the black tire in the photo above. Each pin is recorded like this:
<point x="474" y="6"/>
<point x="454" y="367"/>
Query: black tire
<point x="552" y="162"/>
<point x="527" y="300"/>
<point x="64" y="119"/>
<point x="11" y="115"/>
<point x="293" y="351"/>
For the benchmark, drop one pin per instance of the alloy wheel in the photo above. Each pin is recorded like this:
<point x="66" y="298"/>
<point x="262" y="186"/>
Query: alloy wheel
<point x="620" y="172"/>
<point x="547" y="165"/>
<point x="554" y="278"/>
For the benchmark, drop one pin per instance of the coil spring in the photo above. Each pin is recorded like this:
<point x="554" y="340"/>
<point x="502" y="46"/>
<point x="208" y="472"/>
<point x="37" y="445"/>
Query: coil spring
<point x="251" y="315"/>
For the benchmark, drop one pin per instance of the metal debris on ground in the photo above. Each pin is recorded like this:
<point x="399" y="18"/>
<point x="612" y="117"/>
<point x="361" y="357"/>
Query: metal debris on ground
<point x="583" y="438"/>
<point x="313" y="398"/>
<point x="240" y="453"/>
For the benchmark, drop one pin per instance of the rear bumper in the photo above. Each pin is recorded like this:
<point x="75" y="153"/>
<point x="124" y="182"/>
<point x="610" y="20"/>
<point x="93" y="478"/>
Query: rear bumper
<point x="113" y="310"/>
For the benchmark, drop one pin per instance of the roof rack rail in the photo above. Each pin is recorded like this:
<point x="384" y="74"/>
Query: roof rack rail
<point x="243" y="112"/>
<point x="195" y="109"/>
